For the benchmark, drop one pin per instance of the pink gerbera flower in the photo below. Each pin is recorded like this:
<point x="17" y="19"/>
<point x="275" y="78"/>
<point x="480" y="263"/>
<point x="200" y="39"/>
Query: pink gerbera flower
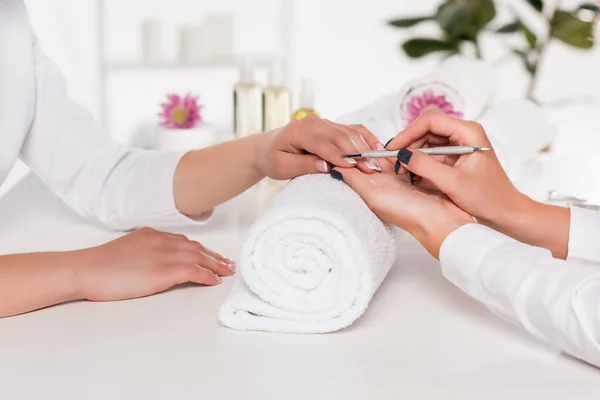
<point x="429" y="101"/>
<point x="180" y="112"/>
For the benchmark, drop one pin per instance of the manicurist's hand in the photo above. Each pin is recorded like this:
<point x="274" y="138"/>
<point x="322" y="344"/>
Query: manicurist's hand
<point x="477" y="183"/>
<point x="430" y="218"/>
<point x="313" y="145"/>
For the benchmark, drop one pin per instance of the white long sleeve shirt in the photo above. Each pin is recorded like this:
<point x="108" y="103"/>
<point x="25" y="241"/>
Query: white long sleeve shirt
<point x="117" y="186"/>
<point x="555" y="300"/>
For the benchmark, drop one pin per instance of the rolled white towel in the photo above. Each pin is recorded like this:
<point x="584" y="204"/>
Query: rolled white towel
<point x="518" y="130"/>
<point x="312" y="263"/>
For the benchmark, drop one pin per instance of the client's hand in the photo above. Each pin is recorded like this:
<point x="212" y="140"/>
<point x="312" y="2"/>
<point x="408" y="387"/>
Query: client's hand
<point x="312" y="145"/>
<point x="429" y="218"/>
<point x="146" y="262"/>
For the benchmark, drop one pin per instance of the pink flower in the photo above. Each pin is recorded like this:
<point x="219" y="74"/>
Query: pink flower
<point x="180" y="113"/>
<point x="429" y="101"/>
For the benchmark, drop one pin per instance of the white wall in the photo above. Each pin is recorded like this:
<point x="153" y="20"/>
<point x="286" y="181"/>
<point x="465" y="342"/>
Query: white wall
<point x="345" y="46"/>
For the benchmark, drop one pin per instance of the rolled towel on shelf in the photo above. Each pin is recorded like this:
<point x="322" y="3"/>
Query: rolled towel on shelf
<point x="518" y="130"/>
<point x="312" y="263"/>
<point x="458" y="86"/>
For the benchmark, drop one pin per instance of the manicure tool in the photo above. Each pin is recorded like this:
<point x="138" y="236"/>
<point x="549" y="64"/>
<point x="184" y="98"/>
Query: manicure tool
<point x="448" y="150"/>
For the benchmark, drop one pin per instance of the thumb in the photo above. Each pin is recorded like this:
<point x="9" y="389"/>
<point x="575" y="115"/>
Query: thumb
<point x="441" y="175"/>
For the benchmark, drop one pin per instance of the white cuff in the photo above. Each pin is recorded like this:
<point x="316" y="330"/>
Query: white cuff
<point x="463" y="251"/>
<point x="149" y="200"/>
<point x="584" y="232"/>
<point x="164" y="202"/>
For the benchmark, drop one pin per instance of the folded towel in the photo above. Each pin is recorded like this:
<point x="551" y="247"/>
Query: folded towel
<point x="312" y="263"/>
<point x="466" y="84"/>
<point x="518" y="130"/>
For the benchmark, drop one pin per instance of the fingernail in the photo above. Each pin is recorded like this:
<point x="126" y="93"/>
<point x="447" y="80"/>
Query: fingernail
<point x="337" y="175"/>
<point x="371" y="163"/>
<point x="218" y="278"/>
<point x="404" y="156"/>
<point x="412" y="177"/>
<point x="321" y="166"/>
<point x="397" y="167"/>
<point x="388" y="142"/>
<point x="379" y="146"/>
<point x="351" y="161"/>
<point x="230" y="266"/>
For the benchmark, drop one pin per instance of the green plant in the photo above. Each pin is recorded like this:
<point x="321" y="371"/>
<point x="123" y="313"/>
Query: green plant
<point x="462" y="22"/>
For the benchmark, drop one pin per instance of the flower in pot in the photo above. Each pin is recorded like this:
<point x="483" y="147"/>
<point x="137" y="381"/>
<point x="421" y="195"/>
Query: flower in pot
<point x="180" y="112"/>
<point x="181" y="125"/>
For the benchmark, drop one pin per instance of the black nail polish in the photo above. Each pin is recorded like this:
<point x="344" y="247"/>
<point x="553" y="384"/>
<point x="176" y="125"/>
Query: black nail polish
<point x="388" y="142"/>
<point x="412" y="177"/>
<point x="397" y="167"/>
<point x="337" y="175"/>
<point x="404" y="156"/>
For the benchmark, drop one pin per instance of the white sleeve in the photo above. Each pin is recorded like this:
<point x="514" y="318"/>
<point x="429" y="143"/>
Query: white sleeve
<point x="583" y="235"/>
<point x="557" y="301"/>
<point x="120" y="187"/>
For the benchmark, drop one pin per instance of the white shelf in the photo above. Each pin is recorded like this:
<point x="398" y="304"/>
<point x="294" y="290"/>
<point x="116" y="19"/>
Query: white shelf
<point x="107" y="67"/>
<point x="259" y="62"/>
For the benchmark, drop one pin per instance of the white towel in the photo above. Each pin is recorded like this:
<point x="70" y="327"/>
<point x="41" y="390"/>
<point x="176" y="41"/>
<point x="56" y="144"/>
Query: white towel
<point x="518" y="130"/>
<point x="312" y="263"/>
<point x="468" y="84"/>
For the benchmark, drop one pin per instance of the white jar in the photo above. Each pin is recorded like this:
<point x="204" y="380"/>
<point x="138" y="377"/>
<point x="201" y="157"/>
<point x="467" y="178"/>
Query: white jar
<point x="201" y="136"/>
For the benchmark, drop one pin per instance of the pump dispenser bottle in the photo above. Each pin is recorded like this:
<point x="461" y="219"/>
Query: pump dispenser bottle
<point x="307" y="101"/>
<point x="247" y="103"/>
<point x="276" y="100"/>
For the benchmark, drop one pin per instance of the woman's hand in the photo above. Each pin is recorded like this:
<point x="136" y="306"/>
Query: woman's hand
<point x="146" y="262"/>
<point x="430" y="218"/>
<point x="312" y="145"/>
<point x="208" y="177"/>
<point x="139" y="264"/>
<point x="477" y="182"/>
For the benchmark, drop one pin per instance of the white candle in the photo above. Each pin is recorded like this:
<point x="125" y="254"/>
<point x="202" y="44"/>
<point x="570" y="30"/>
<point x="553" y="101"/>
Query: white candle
<point x="152" y="42"/>
<point x="190" y="44"/>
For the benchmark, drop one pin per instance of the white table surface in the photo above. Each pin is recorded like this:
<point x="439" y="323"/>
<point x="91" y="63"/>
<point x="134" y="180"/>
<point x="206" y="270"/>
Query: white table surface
<point x="421" y="338"/>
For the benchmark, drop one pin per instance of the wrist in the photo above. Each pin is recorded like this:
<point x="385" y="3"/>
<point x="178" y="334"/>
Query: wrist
<point x="434" y="230"/>
<point x="82" y="262"/>
<point x="259" y="146"/>
<point x="537" y="224"/>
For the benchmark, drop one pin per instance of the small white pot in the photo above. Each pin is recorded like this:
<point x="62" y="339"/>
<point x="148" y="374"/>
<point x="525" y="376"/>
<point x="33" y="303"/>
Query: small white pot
<point x="203" y="135"/>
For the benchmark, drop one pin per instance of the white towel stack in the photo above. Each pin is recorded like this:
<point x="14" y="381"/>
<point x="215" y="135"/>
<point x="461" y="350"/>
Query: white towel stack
<point x="312" y="263"/>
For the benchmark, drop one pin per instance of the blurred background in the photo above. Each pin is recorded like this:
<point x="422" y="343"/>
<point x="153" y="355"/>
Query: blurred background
<point x="121" y="57"/>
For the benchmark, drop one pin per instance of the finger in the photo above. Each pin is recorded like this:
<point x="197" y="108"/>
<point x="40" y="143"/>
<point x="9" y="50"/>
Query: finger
<point x="305" y="164"/>
<point x="372" y="142"/>
<point x="196" y="246"/>
<point x="184" y="273"/>
<point x="360" y="182"/>
<point x="351" y="141"/>
<point x="231" y="265"/>
<point x="203" y="259"/>
<point x="368" y="165"/>
<point x="454" y="129"/>
<point x="444" y="159"/>
<point x="323" y="141"/>
<point x="176" y="236"/>
<point x="441" y="175"/>
<point x="368" y="136"/>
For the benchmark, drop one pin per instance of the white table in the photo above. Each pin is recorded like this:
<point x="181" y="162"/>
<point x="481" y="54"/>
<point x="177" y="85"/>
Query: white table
<point x="420" y="339"/>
